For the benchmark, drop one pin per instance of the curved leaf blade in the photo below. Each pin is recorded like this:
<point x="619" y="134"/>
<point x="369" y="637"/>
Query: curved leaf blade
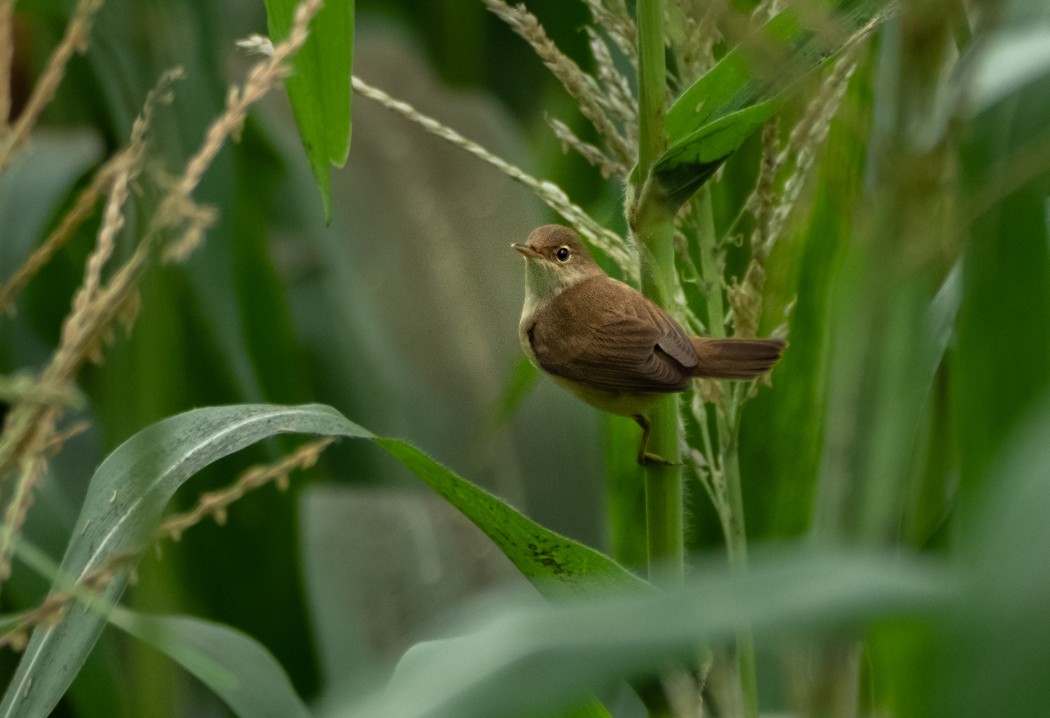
<point x="714" y="116"/>
<point x="795" y="41"/>
<point x="319" y="86"/>
<point x="129" y="491"/>
<point x="235" y="666"/>
<point x="684" y="168"/>
<point x="534" y="659"/>
<point x="123" y="506"/>
<point x="556" y="565"/>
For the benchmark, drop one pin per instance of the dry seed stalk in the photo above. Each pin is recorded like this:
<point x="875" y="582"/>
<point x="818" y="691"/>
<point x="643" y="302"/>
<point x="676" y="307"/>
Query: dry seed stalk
<point x="7" y="52"/>
<point x="623" y="253"/>
<point x="581" y="87"/>
<point x="772" y="209"/>
<point x="691" y="39"/>
<point x="29" y="426"/>
<point x="50" y="611"/>
<point x="81" y="210"/>
<point x="607" y="166"/>
<point x="75" y="40"/>
<point x="178" y="208"/>
<point x="808" y="136"/>
<point x="619" y="97"/>
<point x="103" y="181"/>
<point x="612" y="16"/>
<point x="94" y="581"/>
<point x="216" y="503"/>
<point x="746" y="297"/>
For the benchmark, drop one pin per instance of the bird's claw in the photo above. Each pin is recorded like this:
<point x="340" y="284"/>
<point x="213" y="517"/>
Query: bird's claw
<point x="650" y="459"/>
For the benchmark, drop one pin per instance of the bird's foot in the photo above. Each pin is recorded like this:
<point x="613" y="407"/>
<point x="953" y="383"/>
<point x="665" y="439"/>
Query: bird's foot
<point x="648" y="458"/>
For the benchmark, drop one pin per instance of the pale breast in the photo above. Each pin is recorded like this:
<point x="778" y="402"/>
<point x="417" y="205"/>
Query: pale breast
<point x="528" y="318"/>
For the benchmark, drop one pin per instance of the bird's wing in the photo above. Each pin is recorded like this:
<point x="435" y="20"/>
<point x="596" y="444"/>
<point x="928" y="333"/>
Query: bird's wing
<point x="618" y="342"/>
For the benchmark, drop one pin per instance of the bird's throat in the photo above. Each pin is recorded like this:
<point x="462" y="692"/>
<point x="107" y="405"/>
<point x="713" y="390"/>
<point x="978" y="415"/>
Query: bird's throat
<point x="542" y="282"/>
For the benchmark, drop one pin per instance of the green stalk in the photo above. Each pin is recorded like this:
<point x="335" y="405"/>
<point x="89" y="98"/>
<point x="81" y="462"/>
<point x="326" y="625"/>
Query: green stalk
<point x="663" y="498"/>
<point x="652" y="85"/>
<point x="726" y="443"/>
<point x="652" y="220"/>
<point x="736" y="544"/>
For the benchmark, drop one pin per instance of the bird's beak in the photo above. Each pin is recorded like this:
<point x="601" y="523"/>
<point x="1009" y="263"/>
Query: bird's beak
<point x="526" y="250"/>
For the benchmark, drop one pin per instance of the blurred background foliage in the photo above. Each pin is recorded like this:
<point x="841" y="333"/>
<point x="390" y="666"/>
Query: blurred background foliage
<point x="402" y="314"/>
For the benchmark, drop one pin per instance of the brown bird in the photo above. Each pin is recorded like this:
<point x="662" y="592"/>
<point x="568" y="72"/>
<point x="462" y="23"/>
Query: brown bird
<point x="609" y="344"/>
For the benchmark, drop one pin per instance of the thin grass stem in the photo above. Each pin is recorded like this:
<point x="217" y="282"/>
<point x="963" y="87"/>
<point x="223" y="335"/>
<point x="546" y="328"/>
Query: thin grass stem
<point x="653" y="224"/>
<point x="74" y="41"/>
<point x="727" y="449"/>
<point x="553" y="196"/>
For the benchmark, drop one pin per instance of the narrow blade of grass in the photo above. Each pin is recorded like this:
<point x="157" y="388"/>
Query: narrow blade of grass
<point x="319" y="87"/>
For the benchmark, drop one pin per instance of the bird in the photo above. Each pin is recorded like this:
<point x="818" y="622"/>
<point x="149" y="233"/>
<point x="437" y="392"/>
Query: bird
<point x="610" y="345"/>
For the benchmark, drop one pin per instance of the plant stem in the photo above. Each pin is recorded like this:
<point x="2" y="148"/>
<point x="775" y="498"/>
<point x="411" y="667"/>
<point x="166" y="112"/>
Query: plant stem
<point x="727" y="421"/>
<point x="652" y="85"/>
<point x="736" y="543"/>
<point x="652" y="221"/>
<point x="709" y="273"/>
<point x="663" y="498"/>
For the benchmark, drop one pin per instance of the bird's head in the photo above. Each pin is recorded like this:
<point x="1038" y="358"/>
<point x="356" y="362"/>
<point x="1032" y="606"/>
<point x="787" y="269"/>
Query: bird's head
<point x="555" y="259"/>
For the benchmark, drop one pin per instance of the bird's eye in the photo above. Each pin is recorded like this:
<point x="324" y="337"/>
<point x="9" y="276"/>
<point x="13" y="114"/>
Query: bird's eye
<point x="563" y="254"/>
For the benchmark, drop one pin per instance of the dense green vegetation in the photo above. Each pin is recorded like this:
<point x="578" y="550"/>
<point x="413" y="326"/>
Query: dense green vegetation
<point x="250" y="398"/>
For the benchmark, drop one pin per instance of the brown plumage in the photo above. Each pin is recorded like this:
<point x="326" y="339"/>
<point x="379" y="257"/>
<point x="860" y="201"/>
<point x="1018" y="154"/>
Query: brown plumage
<point x="735" y="358"/>
<point x="623" y="342"/>
<point x="609" y="344"/>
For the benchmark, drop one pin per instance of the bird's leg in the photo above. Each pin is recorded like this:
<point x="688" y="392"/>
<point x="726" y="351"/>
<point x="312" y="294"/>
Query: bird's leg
<point x="646" y="458"/>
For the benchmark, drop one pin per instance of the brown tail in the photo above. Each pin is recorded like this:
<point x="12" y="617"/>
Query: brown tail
<point x="736" y="358"/>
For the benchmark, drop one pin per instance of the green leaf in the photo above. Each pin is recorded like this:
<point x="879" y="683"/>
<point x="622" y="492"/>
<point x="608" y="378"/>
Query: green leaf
<point x="319" y="86"/>
<point x="32" y="187"/>
<point x="532" y="659"/>
<point x="129" y="491"/>
<point x="592" y="708"/>
<point x="556" y="565"/>
<point x="265" y="333"/>
<point x="713" y="141"/>
<point x="687" y="165"/>
<point x="235" y="666"/>
<point x="407" y="545"/>
<point x="122" y="508"/>
<point x="795" y="41"/>
<point x="1000" y="366"/>
<point x="363" y="542"/>
<point x="714" y="116"/>
<point x="1010" y="59"/>
<point x="995" y="651"/>
<point x="625" y="491"/>
<point x="774" y="444"/>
